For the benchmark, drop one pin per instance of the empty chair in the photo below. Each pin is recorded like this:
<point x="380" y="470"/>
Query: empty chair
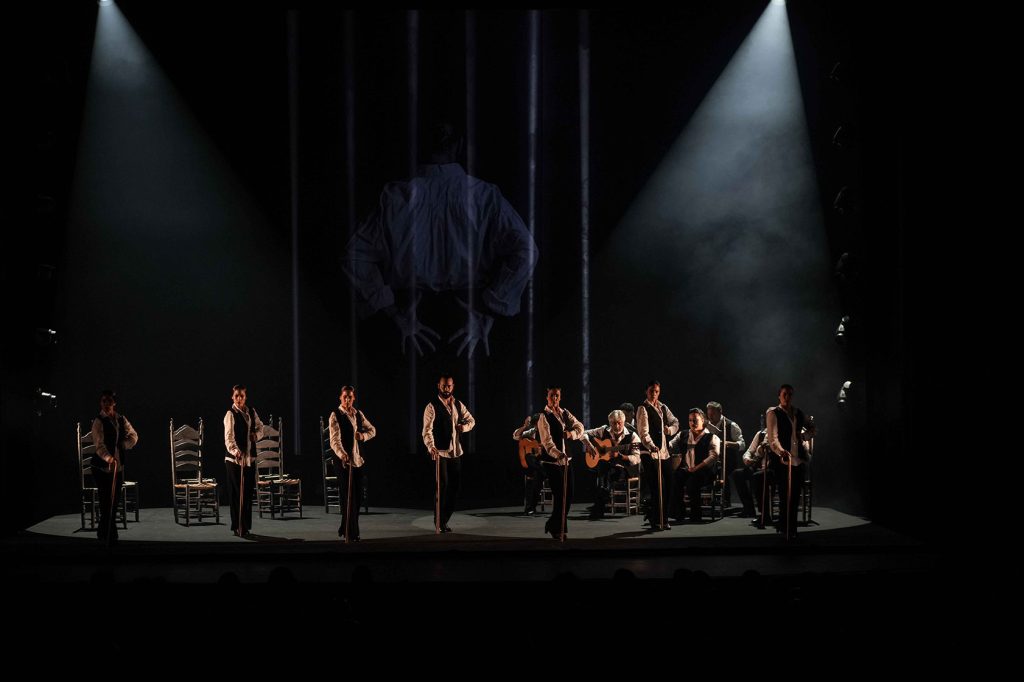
<point x="194" y="495"/>
<point x="276" y="491"/>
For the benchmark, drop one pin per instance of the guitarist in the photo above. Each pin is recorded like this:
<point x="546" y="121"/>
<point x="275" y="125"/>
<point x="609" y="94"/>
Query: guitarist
<point x="529" y="450"/>
<point x="614" y="435"/>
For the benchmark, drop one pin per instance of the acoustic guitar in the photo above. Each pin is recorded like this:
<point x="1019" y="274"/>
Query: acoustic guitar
<point x="528" y="446"/>
<point x="604" y="450"/>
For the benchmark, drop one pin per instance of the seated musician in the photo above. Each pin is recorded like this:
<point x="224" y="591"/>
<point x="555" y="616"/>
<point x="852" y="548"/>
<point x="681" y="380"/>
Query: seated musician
<point x="749" y="482"/>
<point x="529" y="449"/>
<point x="700" y="449"/>
<point x="616" y="448"/>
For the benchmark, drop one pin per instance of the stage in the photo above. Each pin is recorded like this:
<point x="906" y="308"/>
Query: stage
<point x="485" y="545"/>
<point x="495" y="574"/>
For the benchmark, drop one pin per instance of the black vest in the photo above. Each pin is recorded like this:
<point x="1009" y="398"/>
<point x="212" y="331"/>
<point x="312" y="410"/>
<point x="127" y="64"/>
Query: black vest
<point x="785" y="431"/>
<point x="701" y="448"/>
<point x="242" y="431"/>
<point x="443" y="423"/>
<point x="654" y="423"/>
<point x="348" y="435"/>
<point x="113" y="435"/>
<point x="556" y="428"/>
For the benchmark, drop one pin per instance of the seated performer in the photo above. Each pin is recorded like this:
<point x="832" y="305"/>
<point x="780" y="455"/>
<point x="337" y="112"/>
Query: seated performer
<point x="616" y="448"/>
<point x="748" y="480"/>
<point x="731" y="435"/>
<point x="529" y="459"/>
<point x="702" y="449"/>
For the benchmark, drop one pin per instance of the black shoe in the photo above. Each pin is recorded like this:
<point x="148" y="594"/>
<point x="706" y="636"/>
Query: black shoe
<point x="446" y="529"/>
<point x="530" y="511"/>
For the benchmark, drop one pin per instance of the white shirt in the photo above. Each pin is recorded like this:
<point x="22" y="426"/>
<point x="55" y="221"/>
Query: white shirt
<point x="235" y="454"/>
<point x="421" y="232"/>
<point x="690" y="456"/>
<point x="772" y="427"/>
<point x="129" y="440"/>
<point x="569" y="424"/>
<point x="669" y="427"/>
<point x="369" y="431"/>
<point x="751" y="456"/>
<point x="428" y="427"/>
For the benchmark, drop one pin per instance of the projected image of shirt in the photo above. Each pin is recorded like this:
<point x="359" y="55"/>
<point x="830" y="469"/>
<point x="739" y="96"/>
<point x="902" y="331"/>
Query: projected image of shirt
<point x="442" y="230"/>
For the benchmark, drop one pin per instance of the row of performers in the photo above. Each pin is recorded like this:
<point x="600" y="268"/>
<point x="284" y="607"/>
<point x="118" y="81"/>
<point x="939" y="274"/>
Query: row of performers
<point x="654" y="441"/>
<point x="671" y="461"/>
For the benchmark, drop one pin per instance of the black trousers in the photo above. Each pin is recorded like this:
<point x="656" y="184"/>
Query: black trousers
<point x="608" y="474"/>
<point x="691" y="483"/>
<point x="728" y="462"/>
<point x="451" y="481"/>
<point x="237" y="487"/>
<point x="650" y="474"/>
<point x="762" y="483"/>
<point x="352" y="520"/>
<point x="108" y="517"/>
<point x="742" y="480"/>
<point x="559" y="477"/>
<point x="786" y="523"/>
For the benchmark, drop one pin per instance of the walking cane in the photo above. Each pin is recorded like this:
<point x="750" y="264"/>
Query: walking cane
<point x="241" y="497"/>
<point x="565" y="493"/>
<point x="437" y="494"/>
<point x="110" y="515"/>
<point x="789" y="496"/>
<point x="348" y="503"/>
<point x="764" y="490"/>
<point x="661" y="482"/>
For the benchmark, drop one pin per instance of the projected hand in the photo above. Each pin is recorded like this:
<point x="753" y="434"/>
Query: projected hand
<point x="477" y="329"/>
<point x="411" y="329"/>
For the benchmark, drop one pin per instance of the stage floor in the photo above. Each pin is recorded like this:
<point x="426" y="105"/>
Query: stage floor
<point x="497" y="573"/>
<point x="399" y="545"/>
<point x="391" y="526"/>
